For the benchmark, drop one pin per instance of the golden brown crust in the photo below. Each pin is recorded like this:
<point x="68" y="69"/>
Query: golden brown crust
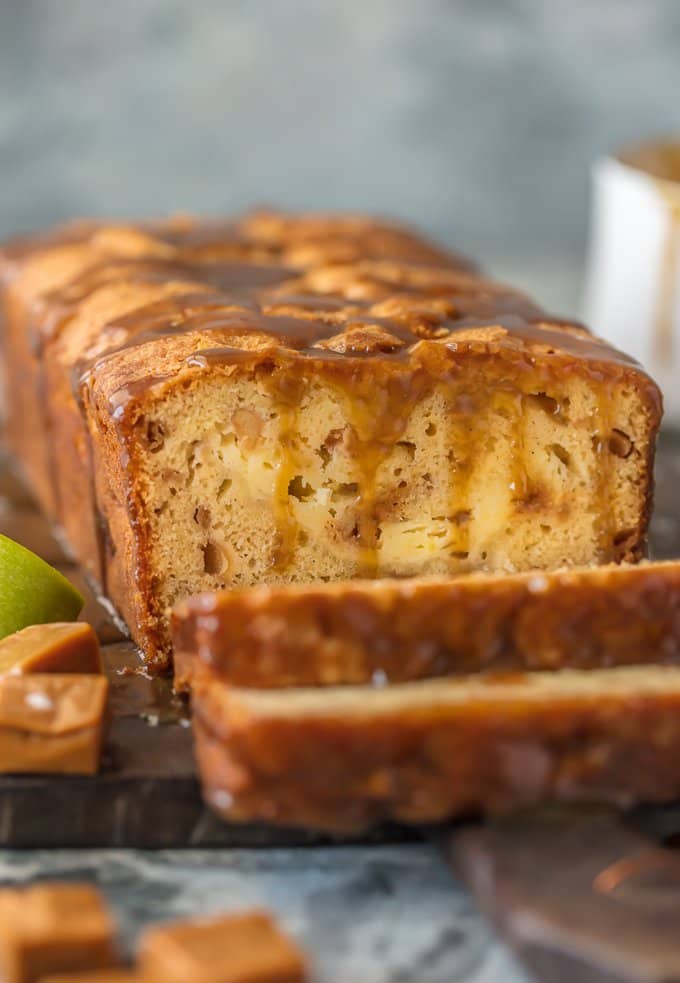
<point x="117" y="399"/>
<point x="46" y="275"/>
<point x="404" y="630"/>
<point x="134" y="314"/>
<point x="344" y="759"/>
<point x="48" y="278"/>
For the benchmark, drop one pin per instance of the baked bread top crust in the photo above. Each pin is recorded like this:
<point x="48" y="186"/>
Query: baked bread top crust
<point x="310" y="397"/>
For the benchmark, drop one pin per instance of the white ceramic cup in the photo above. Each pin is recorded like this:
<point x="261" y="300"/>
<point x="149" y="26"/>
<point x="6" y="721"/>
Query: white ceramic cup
<point x="633" y="281"/>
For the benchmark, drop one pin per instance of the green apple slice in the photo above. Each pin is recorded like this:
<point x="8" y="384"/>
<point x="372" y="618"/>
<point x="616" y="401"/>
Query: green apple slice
<point x="31" y="591"/>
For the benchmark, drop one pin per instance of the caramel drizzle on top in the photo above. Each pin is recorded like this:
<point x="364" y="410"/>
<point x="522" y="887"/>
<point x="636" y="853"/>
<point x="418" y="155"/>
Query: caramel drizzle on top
<point x="332" y="292"/>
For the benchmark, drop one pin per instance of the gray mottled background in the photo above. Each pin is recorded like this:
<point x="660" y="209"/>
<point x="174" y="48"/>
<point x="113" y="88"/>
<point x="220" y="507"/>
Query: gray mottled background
<point x="475" y="118"/>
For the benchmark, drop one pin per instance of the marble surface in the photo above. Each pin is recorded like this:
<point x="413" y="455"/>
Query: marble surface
<point x="390" y="914"/>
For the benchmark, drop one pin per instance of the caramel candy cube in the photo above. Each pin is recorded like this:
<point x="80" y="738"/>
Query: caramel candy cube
<point x="244" y="948"/>
<point x="53" y="928"/>
<point x="61" y="647"/>
<point x="52" y="724"/>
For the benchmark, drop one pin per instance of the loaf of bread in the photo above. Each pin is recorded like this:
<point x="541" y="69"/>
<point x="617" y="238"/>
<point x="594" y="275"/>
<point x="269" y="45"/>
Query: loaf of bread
<point x="282" y="398"/>
<point x="341" y="759"/>
<point x="391" y="631"/>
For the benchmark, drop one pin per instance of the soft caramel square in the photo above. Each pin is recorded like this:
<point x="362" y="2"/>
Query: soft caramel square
<point x="53" y="928"/>
<point x="245" y="948"/>
<point x="62" y="647"/>
<point x="51" y="723"/>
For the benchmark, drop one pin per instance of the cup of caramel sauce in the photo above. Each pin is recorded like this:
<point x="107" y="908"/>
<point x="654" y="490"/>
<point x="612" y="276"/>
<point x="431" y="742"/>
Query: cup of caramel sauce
<point x="633" y="281"/>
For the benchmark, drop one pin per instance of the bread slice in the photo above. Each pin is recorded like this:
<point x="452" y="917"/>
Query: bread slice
<point x="403" y="630"/>
<point x="344" y="758"/>
<point x="311" y="399"/>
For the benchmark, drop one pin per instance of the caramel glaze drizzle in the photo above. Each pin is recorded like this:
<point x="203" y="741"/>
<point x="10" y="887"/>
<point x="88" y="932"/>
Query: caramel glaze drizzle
<point x="378" y="403"/>
<point x="53" y="312"/>
<point x="380" y="364"/>
<point x="217" y="254"/>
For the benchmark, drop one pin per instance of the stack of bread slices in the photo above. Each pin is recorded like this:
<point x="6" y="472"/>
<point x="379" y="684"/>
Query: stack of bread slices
<point x="399" y="511"/>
